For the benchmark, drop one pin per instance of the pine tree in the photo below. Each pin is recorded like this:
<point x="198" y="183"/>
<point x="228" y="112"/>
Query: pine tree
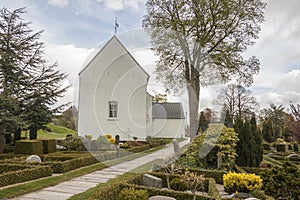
<point x="258" y="149"/>
<point x="28" y="86"/>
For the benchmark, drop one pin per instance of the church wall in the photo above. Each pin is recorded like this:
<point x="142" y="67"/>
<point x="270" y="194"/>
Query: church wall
<point x="113" y="76"/>
<point x="168" y="128"/>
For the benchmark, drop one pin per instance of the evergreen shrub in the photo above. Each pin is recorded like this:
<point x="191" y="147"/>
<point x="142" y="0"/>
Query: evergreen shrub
<point x="49" y="145"/>
<point x="296" y="147"/>
<point x="29" y="147"/>
<point x="266" y="146"/>
<point x="241" y="182"/>
<point x="133" y="194"/>
<point x="281" y="147"/>
<point x="178" y="184"/>
<point x="22" y="173"/>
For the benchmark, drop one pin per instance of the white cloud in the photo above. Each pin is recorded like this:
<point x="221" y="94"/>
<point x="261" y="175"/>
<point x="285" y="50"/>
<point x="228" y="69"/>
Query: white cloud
<point x="122" y="4"/>
<point x="70" y="60"/>
<point x="58" y="3"/>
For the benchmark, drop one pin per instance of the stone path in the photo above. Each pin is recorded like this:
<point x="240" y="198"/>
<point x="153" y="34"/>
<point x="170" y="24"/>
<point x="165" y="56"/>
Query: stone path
<point x="80" y="184"/>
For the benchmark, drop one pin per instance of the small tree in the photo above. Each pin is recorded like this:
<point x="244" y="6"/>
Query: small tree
<point x="170" y="168"/>
<point x="194" y="182"/>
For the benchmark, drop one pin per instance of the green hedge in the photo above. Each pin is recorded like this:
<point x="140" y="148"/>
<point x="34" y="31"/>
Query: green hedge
<point x="266" y="146"/>
<point x="26" y="173"/>
<point x="216" y="174"/>
<point x="139" y="148"/>
<point x="29" y="147"/>
<point x="212" y="189"/>
<point x="281" y="147"/>
<point x="111" y="189"/>
<point x="170" y="193"/>
<point x="49" y="145"/>
<point x="71" y="164"/>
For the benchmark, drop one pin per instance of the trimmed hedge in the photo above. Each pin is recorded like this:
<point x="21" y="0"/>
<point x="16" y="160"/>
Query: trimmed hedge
<point x="111" y="189"/>
<point x="170" y="193"/>
<point x="216" y="174"/>
<point x="49" y="145"/>
<point x="212" y="189"/>
<point x="139" y="148"/>
<point x="29" y="147"/>
<point x="25" y="173"/>
<point x="281" y="147"/>
<point x="266" y="146"/>
<point x="71" y="164"/>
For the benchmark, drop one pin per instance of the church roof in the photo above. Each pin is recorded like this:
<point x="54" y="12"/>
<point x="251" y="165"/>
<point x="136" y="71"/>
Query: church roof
<point x="167" y="111"/>
<point x="98" y="52"/>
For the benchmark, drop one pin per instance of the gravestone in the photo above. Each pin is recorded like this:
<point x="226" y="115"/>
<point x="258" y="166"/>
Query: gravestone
<point x="176" y="146"/>
<point x="151" y="181"/>
<point x="33" y="158"/>
<point x="161" y="198"/>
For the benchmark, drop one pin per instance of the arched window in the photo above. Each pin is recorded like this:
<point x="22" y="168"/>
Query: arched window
<point x="113" y="109"/>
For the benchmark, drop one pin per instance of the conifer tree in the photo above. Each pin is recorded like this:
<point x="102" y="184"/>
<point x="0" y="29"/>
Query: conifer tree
<point x="28" y="86"/>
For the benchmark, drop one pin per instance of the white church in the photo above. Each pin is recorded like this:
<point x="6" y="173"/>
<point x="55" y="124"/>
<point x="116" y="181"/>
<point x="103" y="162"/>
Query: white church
<point x="113" y="99"/>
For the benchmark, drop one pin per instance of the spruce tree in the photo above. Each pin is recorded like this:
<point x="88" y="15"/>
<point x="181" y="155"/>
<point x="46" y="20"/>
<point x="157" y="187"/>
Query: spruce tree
<point x="28" y="86"/>
<point x="258" y="149"/>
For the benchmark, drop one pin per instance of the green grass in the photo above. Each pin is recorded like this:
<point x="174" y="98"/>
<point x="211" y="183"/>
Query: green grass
<point x="56" y="132"/>
<point x="23" y="188"/>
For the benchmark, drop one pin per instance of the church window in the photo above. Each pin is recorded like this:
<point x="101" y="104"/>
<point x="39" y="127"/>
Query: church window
<point x="113" y="109"/>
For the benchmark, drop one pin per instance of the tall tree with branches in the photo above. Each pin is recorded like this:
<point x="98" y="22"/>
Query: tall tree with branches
<point x="200" y="41"/>
<point x="28" y="85"/>
<point x="238" y="100"/>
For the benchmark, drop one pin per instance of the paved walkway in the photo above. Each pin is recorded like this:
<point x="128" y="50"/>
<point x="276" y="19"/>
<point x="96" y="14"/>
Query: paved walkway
<point x="80" y="184"/>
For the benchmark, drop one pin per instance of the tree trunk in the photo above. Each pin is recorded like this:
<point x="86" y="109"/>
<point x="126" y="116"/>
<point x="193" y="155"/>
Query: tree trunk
<point x="18" y="134"/>
<point x="193" y="111"/>
<point x="33" y="134"/>
<point x="1" y="140"/>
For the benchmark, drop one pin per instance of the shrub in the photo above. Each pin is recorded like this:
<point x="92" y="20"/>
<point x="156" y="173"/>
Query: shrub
<point x="29" y="147"/>
<point x="178" y="184"/>
<point x="241" y="182"/>
<point x="108" y="136"/>
<point x="212" y="189"/>
<point x="281" y="147"/>
<point x="23" y="173"/>
<point x="139" y="148"/>
<point x="49" y="145"/>
<point x="266" y="146"/>
<point x="283" y="182"/>
<point x="296" y="148"/>
<point x="73" y="144"/>
<point x="133" y="194"/>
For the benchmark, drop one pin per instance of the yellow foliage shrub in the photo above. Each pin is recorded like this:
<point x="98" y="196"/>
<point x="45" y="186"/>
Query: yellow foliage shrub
<point x="241" y="182"/>
<point x="112" y="140"/>
<point x="108" y="136"/>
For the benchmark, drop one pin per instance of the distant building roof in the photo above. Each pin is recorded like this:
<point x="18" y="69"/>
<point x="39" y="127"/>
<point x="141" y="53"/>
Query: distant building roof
<point x="167" y="111"/>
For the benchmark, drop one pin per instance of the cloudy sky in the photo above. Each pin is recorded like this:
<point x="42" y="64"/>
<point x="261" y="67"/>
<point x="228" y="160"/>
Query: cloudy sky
<point x="74" y="29"/>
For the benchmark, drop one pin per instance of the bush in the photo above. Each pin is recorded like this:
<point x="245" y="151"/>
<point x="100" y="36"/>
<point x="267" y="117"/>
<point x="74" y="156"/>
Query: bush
<point x="73" y="144"/>
<point x="281" y="147"/>
<point x="178" y="184"/>
<point x="296" y="148"/>
<point x="266" y="146"/>
<point x="49" y="146"/>
<point x="283" y="182"/>
<point x="139" y="148"/>
<point x="216" y="174"/>
<point x="133" y="194"/>
<point x="71" y="164"/>
<point x="23" y="173"/>
<point x="212" y="189"/>
<point x="241" y="182"/>
<point x="29" y="147"/>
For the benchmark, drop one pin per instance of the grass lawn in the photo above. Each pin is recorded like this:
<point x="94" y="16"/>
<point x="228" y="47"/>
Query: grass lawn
<point x="56" y="132"/>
